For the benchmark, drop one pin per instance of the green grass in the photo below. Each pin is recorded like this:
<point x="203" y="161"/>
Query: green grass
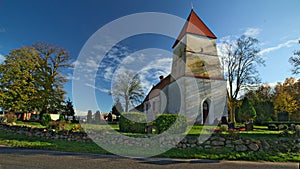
<point x="30" y="124"/>
<point x="230" y="155"/>
<point x="20" y="140"/>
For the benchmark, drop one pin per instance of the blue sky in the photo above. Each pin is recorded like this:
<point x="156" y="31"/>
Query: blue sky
<point x="71" y="23"/>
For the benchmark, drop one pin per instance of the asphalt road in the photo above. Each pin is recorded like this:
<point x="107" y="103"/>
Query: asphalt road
<point x="15" y="158"/>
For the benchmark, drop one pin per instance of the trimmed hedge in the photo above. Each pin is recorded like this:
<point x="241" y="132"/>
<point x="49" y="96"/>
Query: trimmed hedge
<point x="168" y="122"/>
<point x="133" y="122"/>
<point x="46" y="118"/>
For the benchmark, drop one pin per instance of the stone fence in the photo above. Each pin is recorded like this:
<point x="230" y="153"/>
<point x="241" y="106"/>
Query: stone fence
<point x="217" y="142"/>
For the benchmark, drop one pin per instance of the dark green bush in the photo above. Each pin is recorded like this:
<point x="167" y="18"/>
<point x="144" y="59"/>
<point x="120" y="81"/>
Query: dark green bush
<point x="133" y="122"/>
<point x="46" y="118"/>
<point x="61" y="117"/>
<point x="272" y="127"/>
<point x="174" y="123"/>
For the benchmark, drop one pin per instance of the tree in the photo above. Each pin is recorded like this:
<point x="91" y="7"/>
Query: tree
<point x="295" y="61"/>
<point x="127" y="86"/>
<point x="286" y="98"/>
<point x="89" y="117"/>
<point x="261" y="99"/>
<point x="246" y="112"/>
<point x="54" y="60"/>
<point x="117" y="108"/>
<point x="31" y="78"/>
<point x="240" y="61"/>
<point x="18" y="75"/>
<point x="97" y="116"/>
<point x="69" y="110"/>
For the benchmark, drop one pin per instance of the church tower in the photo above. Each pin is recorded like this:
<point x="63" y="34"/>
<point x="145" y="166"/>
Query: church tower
<point x="196" y="87"/>
<point x="195" y="59"/>
<point x="195" y="51"/>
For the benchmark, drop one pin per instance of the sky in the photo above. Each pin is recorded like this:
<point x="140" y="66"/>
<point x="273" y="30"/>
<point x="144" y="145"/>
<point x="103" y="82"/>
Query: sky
<point x="74" y="25"/>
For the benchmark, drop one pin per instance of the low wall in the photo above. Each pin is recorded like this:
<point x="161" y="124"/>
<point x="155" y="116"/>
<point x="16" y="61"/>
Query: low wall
<point x="216" y="142"/>
<point x="47" y="134"/>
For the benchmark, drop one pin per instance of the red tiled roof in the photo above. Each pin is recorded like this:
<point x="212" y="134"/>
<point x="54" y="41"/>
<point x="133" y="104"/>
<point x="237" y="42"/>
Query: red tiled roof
<point x="196" y="26"/>
<point x="153" y="93"/>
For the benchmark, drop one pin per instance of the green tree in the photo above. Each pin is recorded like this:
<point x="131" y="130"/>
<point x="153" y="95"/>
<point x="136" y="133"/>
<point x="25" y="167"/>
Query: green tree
<point x="246" y="112"/>
<point x="18" y="76"/>
<point x="89" y="117"/>
<point x="295" y="61"/>
<point x="261" y="99"/>
<point x="117" y="108"/>
<point x="127" y="86"/>
<point x="54" y="60"/>
<point x="239" y="62"/>
<point x="69" y="109"/>
<point x="31" y="78"/>
<point x="97" y="116"/>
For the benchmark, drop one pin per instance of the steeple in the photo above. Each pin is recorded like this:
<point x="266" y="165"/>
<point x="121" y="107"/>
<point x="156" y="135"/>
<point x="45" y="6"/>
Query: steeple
<point x="194" y="25"/>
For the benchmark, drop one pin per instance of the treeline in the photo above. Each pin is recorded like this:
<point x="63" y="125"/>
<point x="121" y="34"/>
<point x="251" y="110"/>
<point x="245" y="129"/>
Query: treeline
<point x="269" y="101"/>
<point x="31" y="79"/>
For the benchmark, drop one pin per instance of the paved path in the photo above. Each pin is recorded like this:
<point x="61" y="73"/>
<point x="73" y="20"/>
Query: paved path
<point x="15" y="158"/>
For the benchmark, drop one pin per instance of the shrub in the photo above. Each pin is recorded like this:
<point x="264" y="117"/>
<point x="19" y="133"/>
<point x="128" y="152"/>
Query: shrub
<point x="246" y="111"/>
<point x="46" y="118"/>
<point x="282" y="127"/>
<point x="272" y="127"/>
<point x="133" y="122"/>
<point x="224" y="127"/>
<point x="10" y="118"/>
<point x="57" y="125"/>
<point x="61" y="117"/>
<point x="77" y="128"/>
<point x="174" y="123"/>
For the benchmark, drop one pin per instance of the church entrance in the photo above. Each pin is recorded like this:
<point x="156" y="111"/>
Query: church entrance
<point x="205" y="111"/>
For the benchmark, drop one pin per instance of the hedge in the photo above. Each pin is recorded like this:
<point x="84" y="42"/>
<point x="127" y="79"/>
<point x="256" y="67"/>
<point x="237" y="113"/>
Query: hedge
<point x="168" y="122"/>
<point x="46" y="118"/>
<point x="133" y="122"/>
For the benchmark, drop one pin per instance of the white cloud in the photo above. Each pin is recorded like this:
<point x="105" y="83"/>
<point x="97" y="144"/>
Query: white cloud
<point x="288" y="43"/>
<point x="2" y="58"/>
<point x="80" y="112"/>
<point x="252" y="32"/>
<point x="108" y="73"/>
<point x="70" y="76"/>
<point x="97" y="88"/>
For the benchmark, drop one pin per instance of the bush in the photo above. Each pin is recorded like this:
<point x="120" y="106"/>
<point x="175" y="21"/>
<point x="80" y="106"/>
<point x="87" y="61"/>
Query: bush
<point x="10" y="118"/>
<point x="57" y="125"/>
<point x="77" y="128"/>
<point x="61" y="117"/>
<point x="283" y="127"/>
<point x="224" y="127"/>
<point x="174" y="123"/>
<point x="133" y="122"/>
<point x="46" y="118"/>
<point x="272" y="127"/>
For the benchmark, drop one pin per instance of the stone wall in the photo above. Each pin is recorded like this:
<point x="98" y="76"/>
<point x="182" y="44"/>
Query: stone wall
<point x="221" y="142"/>
<point x="216" y="142"/>
<point x="47" y="134"/>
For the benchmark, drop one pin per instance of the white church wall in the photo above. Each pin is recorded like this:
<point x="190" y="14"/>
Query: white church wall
<point x="176" y="96"/>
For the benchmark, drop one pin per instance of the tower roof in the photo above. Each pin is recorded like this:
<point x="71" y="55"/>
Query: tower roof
<point x="196" y="26"/>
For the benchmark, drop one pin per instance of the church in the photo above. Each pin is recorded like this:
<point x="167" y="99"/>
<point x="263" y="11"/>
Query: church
<point x="195" y="87"/>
